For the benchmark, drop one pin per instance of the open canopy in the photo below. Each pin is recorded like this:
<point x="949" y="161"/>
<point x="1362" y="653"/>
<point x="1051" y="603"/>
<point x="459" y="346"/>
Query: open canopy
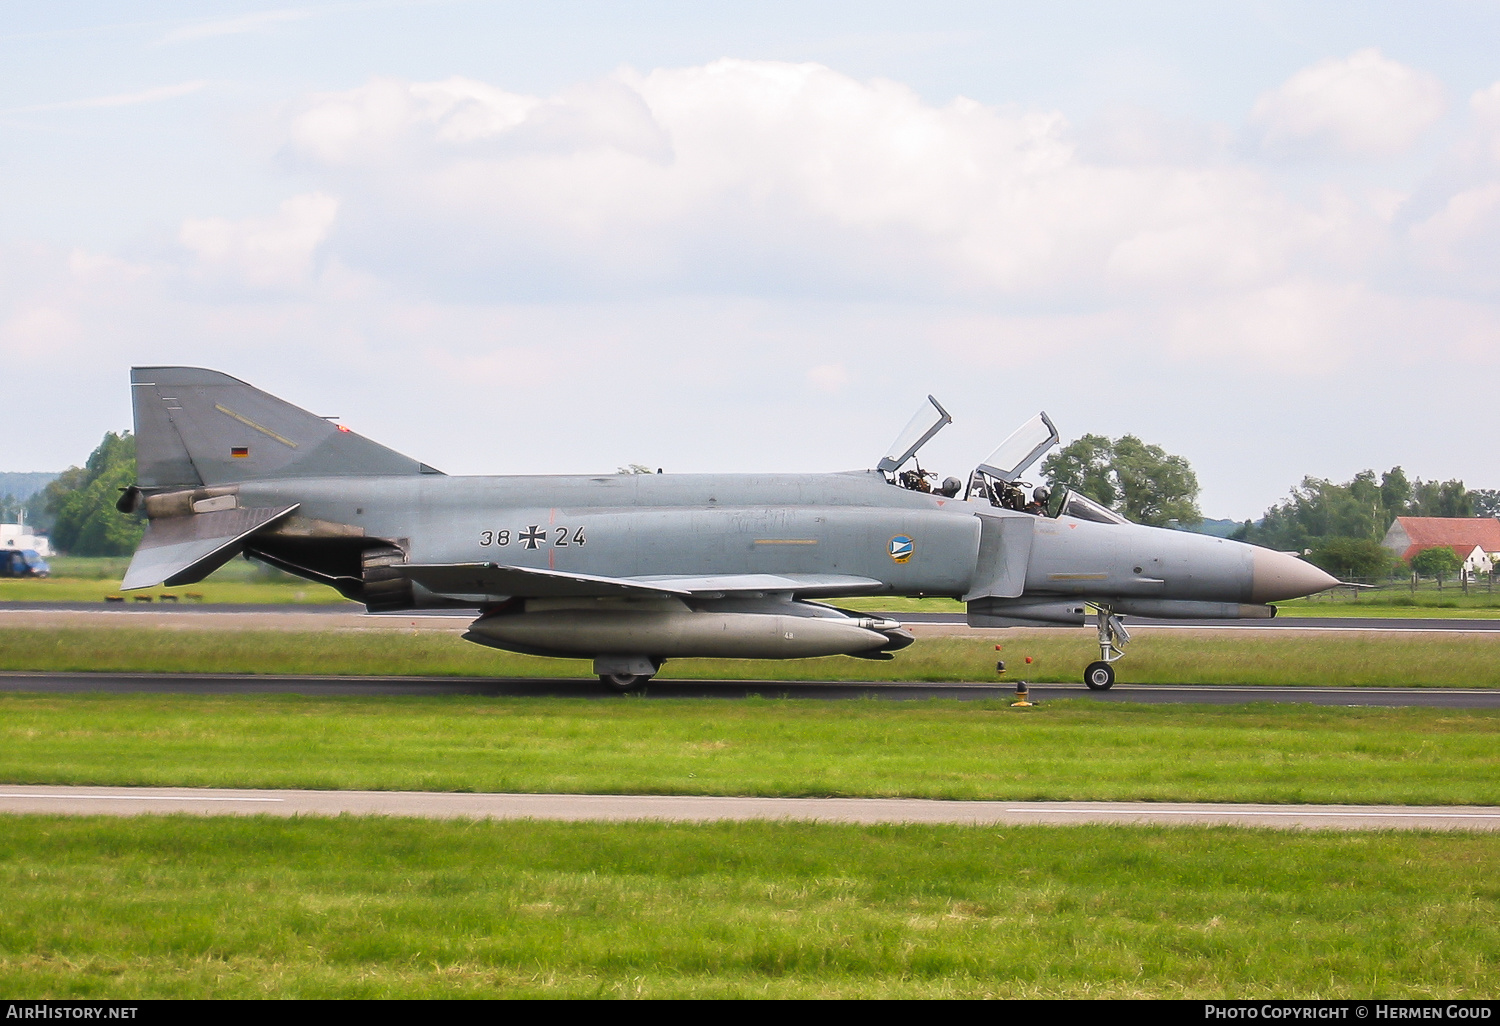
<point x="928" y="421"/>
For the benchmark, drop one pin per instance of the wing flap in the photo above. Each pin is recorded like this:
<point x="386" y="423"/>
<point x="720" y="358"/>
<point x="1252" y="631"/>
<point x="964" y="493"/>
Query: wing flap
<point x="184" y="550"/>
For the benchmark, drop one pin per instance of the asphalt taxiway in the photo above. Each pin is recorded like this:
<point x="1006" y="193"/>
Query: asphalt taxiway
<point x="132" y="801"/>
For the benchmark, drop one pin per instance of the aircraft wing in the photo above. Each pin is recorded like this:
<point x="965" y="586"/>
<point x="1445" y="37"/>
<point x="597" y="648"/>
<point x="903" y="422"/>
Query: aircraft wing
<point x="184" y="550"/>
<point x="490" y="582"/>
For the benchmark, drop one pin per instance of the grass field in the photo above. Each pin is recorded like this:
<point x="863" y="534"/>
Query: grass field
<point x="354" y="907"/>
<point x="934" y="749"/>
<point x="373" y="908"/>
<point x="1165" y="657"/>
<point x="69" y="589"/>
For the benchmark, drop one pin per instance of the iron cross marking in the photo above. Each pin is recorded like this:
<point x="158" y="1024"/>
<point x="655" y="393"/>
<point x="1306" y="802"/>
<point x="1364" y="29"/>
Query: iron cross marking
<point x="533" y="536"/>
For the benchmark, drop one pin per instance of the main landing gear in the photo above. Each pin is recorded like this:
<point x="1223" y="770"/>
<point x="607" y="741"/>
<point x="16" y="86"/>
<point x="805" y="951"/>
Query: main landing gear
<point x="1113" y="637"/>
<point x="624" y="683"/>
<point x="624" y="674"/>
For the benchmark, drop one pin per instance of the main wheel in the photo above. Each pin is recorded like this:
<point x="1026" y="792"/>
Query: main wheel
<point x="1099" y="676"/>
<point x="624" y="683"/>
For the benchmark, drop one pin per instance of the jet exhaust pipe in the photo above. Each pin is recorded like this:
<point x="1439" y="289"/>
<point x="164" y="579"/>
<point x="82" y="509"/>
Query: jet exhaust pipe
<point x="673" y="633"/>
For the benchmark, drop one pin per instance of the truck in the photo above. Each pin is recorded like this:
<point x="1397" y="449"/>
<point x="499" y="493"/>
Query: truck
<point x="22" y="563"/>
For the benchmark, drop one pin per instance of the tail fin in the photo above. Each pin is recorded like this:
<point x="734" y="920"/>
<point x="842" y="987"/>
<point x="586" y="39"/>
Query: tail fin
<point x="199" y="427"/>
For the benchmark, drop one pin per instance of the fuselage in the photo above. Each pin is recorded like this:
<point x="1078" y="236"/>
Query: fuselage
<point x="854" y="523"/>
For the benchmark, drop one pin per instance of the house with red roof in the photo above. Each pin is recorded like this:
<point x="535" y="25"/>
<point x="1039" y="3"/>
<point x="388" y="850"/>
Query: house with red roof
<point x="1475" y="540"/>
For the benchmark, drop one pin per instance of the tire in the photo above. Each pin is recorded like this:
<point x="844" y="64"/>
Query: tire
<point x="1099" y="676"/>
<point x="623" y="683"/>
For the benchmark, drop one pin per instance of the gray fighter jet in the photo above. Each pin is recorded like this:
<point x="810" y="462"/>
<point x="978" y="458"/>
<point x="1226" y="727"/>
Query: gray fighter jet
<point x="632" y="570"/>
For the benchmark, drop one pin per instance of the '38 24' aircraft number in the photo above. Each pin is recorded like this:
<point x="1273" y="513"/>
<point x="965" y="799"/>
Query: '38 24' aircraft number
<point x="535" y="536"/>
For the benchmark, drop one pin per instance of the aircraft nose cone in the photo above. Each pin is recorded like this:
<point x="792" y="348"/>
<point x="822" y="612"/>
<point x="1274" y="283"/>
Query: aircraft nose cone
<point x="1277" y="576"/>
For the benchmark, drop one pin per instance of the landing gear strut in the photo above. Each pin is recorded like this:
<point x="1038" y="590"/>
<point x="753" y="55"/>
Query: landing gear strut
<point x="1113" y="637"/>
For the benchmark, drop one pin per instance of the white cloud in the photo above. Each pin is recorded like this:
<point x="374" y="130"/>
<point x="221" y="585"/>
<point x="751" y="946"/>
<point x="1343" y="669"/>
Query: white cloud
<point x="772" y="178"/>
<point x="1363" y="105"/>
<point x="1463" y="238"/>
<point x="264" y="252"/>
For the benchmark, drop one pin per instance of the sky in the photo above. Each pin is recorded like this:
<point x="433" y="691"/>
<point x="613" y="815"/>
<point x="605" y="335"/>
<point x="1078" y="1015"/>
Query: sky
<point x="564" y="237"/>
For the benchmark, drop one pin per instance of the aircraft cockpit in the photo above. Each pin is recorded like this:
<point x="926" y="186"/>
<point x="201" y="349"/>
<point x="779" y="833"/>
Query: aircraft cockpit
<point x="928" y="421"/>
<point x="998" y="479"/>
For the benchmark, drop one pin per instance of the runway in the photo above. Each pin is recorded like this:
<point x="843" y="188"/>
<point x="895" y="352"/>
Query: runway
<point x="126" y="801"/>
<point x="589" y="688"/>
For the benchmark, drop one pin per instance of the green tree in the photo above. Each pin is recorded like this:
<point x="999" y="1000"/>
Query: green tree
<point x="1486" y="502"/>
<point x="1318" y="510"/>
<point x="1352" y="557"/>
<point x="1395" y="491"/>
<point x="1440" y="562"/>
<point x="1145" y="482"/>
<point x="82" y="500"/>
<point x="1448" y="499"/>
<point x="1086" y="466"/>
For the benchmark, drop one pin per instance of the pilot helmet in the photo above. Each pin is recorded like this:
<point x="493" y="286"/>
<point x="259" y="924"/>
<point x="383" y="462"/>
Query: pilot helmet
<point x="1041" y="495"/>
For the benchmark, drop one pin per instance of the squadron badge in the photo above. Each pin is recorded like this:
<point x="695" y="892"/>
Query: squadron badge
<point x="901" y="548"/>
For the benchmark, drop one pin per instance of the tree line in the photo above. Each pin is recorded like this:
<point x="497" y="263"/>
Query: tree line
<point x="82" y="501"/>
<point x="1341" y="524"/>
<point x="1338" y="525"/>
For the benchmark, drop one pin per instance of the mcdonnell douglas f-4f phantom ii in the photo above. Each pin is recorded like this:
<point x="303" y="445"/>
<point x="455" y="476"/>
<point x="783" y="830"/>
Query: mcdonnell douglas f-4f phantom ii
<point x="632" y="570"/>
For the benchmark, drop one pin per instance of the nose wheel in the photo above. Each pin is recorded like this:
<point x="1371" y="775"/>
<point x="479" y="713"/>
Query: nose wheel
<point x="1113" y="637"/>
<point x="1099" y="676"/>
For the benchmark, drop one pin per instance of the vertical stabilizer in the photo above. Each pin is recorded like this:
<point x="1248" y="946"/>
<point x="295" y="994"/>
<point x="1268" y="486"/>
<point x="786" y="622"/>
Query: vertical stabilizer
<point x="199" y="427"/>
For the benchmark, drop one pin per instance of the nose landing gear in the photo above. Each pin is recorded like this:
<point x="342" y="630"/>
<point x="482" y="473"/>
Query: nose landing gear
<point x="1113" y="637"/>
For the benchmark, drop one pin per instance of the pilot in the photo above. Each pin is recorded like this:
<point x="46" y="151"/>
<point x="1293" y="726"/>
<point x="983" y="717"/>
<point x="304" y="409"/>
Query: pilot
<point x="1039" y="498"/>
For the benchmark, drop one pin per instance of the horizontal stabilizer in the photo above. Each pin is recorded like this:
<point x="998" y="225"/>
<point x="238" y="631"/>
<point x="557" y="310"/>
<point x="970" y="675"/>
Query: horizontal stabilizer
<point x="184" y="550"/>
<point x="484" y="582"/>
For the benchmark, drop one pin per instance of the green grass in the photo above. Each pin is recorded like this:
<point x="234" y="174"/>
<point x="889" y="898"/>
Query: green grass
<point x="91" y="578"/>
<point x="112" y="568"/>
<point x="70" y="589"/>
<point x="179" y="907"/>
<point x="1062" y="750"/>
<point x="1165" y="657"/>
